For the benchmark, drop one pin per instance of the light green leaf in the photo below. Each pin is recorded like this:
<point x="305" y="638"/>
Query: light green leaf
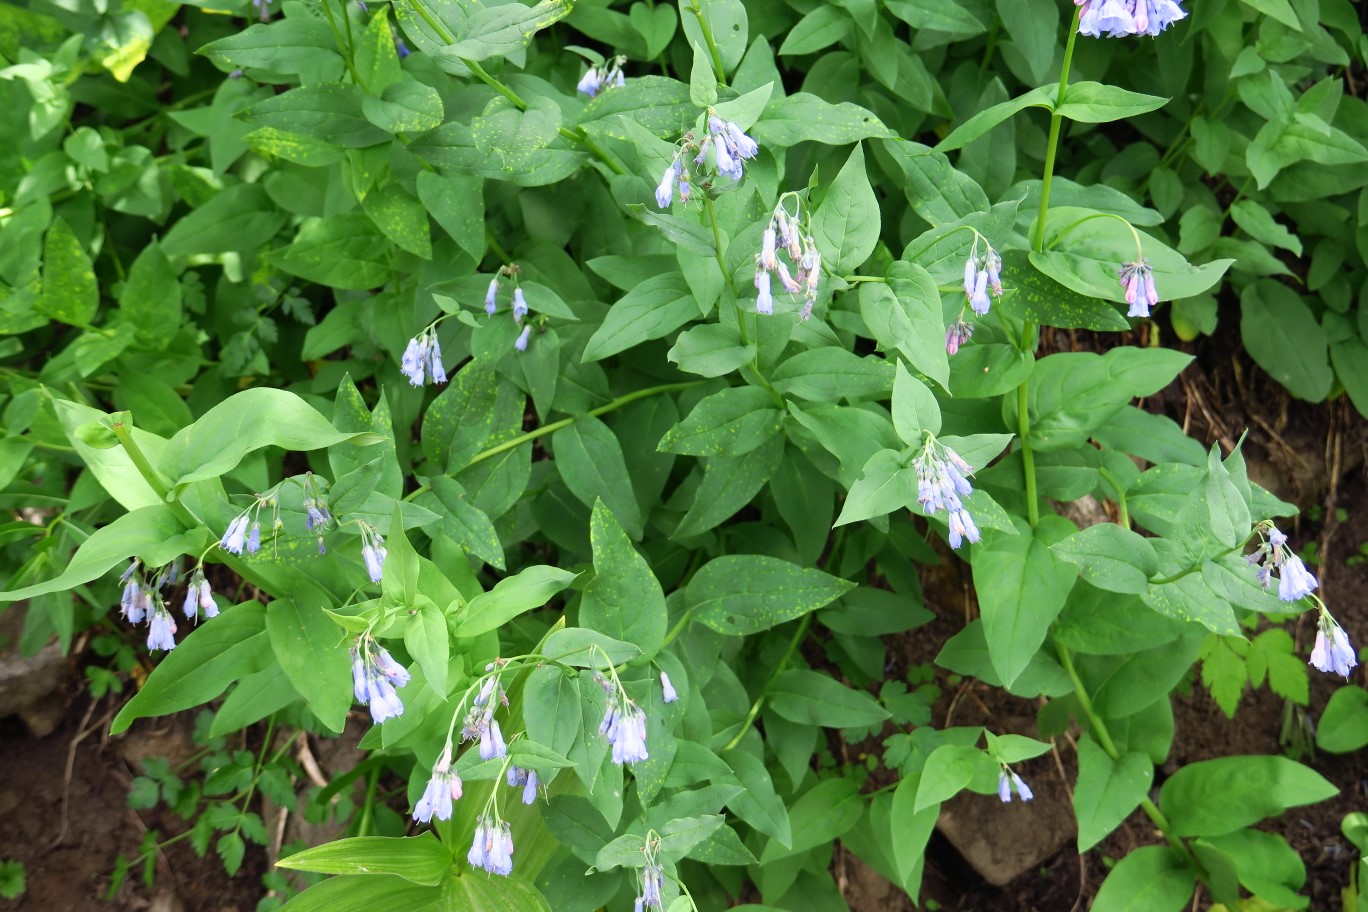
<point x="740" y="594"/>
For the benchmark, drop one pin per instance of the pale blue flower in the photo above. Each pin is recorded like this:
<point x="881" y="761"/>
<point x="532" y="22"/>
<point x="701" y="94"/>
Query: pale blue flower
<point x="652" y="879"/>
<point x="1007" y="781"/>
<point x="492" y="743"/>
<point x="590" y="82"/>
<point x="1138" y="280"/>
<point x="979" y="301"/>
<point x="1294" y="580"/>
<point x="764" y="297"/>
<point x="442" y="790"/>
<point x="667" y="692"/>
<point x="254" y="538"/>
<point x="665" y="190"/>
<point x="1332" y="652"/>
<point x="942" y="480"/>
<point x="161" y="630"/>
<point x="519" y="305"/>
<point x="492" y="847"/>
<point x="520" y="343"/>
<point x="234" y="540"/>
<point x="491" y="296"/>
<point x="625" y="728"/>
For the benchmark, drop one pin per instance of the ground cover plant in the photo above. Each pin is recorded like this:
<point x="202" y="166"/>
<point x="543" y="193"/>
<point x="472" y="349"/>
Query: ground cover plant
<point x="579" y="391"/>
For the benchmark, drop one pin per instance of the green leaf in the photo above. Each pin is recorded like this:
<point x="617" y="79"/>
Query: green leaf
<point x="1296" y="354"/>
<point x="590" y="461"/>
<point x="497" y="31"/>
<point x="245" y="422"/>
<point x="70" y="292"/>
<point x="587" y="649"/>
<point x="1111" y="557"/>
<point x="624" y="599"/>
<point x="151" y="298"/>
<point x="729" y="483"/>
<point x="905" y="316"/>
<point x="305" y="645"/>
<point x="1093" y="102"/>
<point x="418" y="859"/>
<point x="828" y="374"/>
<point x="824" y="812"/>
<point x="739" y="594"/>
<point x="1034" y="296"/>
<point x="425" y="636"/>
<point x="408" y="106"/>
<point x="1022" y="586"/>
<point x="1034" y="28"/>
<point x="466" y="524"/>
<point x="731" y="422"/>
<point x="1343" y="726"/>
<point x="1191" y="599"/>
<point x="510" y="597"/>
<point x="846" y="226"/>
<point x="456" y="202"/>
<point x="459" y="421"/>
<point x="949" y="770"/>
<point x="341" y="251"/>
<point x="376" y="59"/>
<point x="291" y="46"/>
<point x="1281" y="10"/>
<point x="239" y="217"/>
<point x="367" y="892"/>
<point x="758" y="804"/>
<point x="1212" y="797"/>
<point x="804" y="117"/>
<point x="1149" y="879"/>
<point x="1107" y="790"/>
<point x="916" y="412"/>
<point x="551" y="708"/>
<point x="812" y="698"/>
<point x="331" y="113"/>
<point x="985" y="120"/>
<point x="202" y="666"/>
<point x="702" y="80"/>
<point x="712" y="349"/>
<point x="401" y="217"/>
<point x="655" y="308"/>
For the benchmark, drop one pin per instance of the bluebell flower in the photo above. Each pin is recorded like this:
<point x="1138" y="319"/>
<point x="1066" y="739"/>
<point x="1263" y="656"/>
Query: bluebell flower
<point x="161" y="630"/>
<point x="519" y="305"/>
<point x="492" y="745"/>
<point x="375" y="675"/>
<point x="400" y="48"/>
<point x="492" y="847"/>
<point x="491" y="296"/>
<point x="731" y="140"/>
<point x="1153" y="16"/>
<point x="992" y="264"/>
<point x="942" y="480"/>
<point x="982" y="274"/>
<point x="361" y="5"/>
<point x="768" y="240"/>
<point x="978" y="300"/>
<point x="422" y="359"/>
<point x="606" y="75"/>
<point x="652" y="879"/>
<point x="590" y="82"/>
<point x="764" y="293"/>
<point x="1112" y="17"/>
<point x="525" y="779"/>
<point x="1274" y="556"/>
<point x="520" y="343"/>
<point x="624" y="724"/>
<point x="667" y="692"/>
<point x="411" y="364"/>
<point x="1332" y="652"/>
<point x="489" y="689"/>
<point x="665" y="189"/>
<point x="956" y="334"/>
<point x="373" y="552"/>
<point x="1007" y="781"/>
<point x="1294" y="580"/>
<point x="130" y="602"/>
<point x="235" y="539"/>
<point x="1138" y="280"/>
<point x="254" y="538"/>
<point x="263" y="9"/>
<point x="442" y="790"/>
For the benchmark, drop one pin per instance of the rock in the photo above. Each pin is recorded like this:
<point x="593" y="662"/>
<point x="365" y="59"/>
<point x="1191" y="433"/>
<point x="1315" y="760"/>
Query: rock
<point x="1003" y="841"/>
<point x="166" y="902"/>
<point x="30" y="686"/>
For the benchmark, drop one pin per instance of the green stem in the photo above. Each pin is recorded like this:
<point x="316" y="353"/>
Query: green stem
<point x="778" y="669"/>
<point x="706" y="28"/>
<point x="1052" y="146"/>
<point x="1104" y="740"/>
<point x="677" y="628"/>
<point x="566" y="422"/>
<point x="140" y="461"/>
<point x="1027" y="457"/>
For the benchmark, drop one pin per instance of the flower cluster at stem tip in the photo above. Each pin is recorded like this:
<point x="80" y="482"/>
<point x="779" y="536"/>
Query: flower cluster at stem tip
<point x="1332" y="652"/>
<point x="942" y="480"/>
<point x="1122" y="18"/>
<point x="603" y="76"/>
<point x="786" y="235"/>
<point x="1008" y="782"/>
<point x="142" y="600"/>
<point x="725" y="147"/>
<point x="982" y="275"/>
<point x="1138" y="280"/>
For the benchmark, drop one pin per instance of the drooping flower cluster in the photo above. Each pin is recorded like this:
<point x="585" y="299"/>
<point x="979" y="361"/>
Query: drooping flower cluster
<point x="1008" y="781"/>
<point x="1332" y="652"/>
<point x="786" y="235"/>
<point x="942" y="479"/>
<point x="603" y="76"/>
<point x="492" y="848"/>
<point x="243" y="533"/>
<point x="422" y="361"/>
<point x="624" y="724"/>
<point x="375" y="676"/>
<point x="372" y="551"/>
<point x="956" y="334"/>
<point x="982" y="274"/>
<point x="1122" y="18"/>
<point x="526" y="780"/>
<point x="442" y="789"/>
<point x="520" y="308"/>
<point x="652" y="879"/>
<point x="1273" y="556"/>
<point x="142" y="600"/>
<point x="724" y="149"/>
<point x="1138" y="280"/>
<point x="480" y="723"/>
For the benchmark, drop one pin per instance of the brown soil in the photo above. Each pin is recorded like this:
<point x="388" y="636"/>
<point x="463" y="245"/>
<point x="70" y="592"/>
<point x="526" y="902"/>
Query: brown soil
<point x="74" y="874"/>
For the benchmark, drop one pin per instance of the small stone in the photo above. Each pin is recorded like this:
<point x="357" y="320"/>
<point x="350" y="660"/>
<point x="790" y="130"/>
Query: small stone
<point x="1004" y="841"/>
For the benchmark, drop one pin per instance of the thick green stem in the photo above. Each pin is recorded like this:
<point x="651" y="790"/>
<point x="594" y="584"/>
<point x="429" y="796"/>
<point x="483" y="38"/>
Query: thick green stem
<point x="778" y="669"/>
<point x="1052" y="145"/>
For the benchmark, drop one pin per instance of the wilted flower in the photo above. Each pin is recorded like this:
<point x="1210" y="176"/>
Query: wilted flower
<point x="1332" y="652"/>
<point x="667" y="692"/>
<point x="652" y="879"/>
<point x="130" y="602"/>
<point x="254" y="538"/>
<point x="492" y="848"/>
<point x="1007" y="781"/>
<point x="942" y="479"/>
<point x="442" y="789"/>
<point x="375" y="675"/>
